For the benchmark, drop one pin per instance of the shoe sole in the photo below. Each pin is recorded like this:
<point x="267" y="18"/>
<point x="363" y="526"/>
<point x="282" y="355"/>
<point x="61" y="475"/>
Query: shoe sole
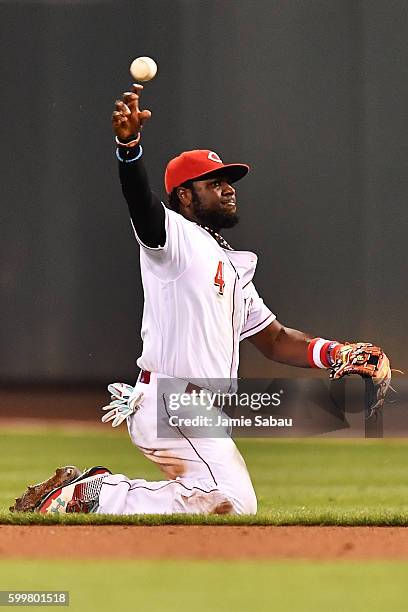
<point x="35" y="494"/>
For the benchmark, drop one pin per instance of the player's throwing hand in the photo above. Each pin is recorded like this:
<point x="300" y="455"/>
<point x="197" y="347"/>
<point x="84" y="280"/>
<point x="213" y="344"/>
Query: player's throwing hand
<point x="127" y="118"/>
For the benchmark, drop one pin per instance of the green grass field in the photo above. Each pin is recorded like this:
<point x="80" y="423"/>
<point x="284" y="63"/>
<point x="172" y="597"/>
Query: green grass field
<point x="297" y="481"/>
<point x="174" y="586"/>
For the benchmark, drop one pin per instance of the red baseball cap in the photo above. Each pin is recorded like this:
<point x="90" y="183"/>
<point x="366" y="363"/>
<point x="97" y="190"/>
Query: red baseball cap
<point x="196" y="165"/>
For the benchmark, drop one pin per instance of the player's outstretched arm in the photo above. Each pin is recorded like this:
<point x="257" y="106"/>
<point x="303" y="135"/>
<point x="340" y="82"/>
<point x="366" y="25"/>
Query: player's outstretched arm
<point x="283" y="344"/>
<point x="294" y="347"/>
<point x="146" y="211"/>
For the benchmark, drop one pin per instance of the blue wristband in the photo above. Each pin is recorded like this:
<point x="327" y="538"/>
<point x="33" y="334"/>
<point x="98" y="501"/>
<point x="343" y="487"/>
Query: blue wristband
<point x="128" y="160"/>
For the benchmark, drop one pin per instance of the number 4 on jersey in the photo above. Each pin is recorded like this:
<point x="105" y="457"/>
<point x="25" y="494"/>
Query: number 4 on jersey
<point x="219" y="278"/>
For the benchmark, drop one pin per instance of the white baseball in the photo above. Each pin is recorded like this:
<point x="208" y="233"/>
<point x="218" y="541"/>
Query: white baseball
<point x="143" y="69"/>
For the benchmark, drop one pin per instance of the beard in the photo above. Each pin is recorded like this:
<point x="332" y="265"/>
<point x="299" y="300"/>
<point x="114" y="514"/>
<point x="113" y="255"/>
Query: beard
<point x="215" y="219"/>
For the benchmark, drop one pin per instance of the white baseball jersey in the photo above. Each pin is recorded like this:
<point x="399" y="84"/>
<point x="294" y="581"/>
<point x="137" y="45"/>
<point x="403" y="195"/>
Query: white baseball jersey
<point x="199" y="303"/>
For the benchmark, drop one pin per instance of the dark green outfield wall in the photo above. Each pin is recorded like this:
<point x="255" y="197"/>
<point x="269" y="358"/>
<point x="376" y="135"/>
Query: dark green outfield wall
<point x="312" y="94"/>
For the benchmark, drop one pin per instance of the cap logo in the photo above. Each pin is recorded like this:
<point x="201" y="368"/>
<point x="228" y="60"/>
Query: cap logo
<point x="214" y="157"/>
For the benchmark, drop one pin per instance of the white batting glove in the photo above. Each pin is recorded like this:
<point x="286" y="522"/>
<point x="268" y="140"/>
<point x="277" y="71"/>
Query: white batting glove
<point x="125" y="402"/>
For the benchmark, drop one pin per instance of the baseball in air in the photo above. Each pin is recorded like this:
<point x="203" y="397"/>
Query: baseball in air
<point x="143" y="69"/>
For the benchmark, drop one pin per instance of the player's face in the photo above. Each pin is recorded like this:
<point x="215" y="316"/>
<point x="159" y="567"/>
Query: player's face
<point x="214" y="203"/>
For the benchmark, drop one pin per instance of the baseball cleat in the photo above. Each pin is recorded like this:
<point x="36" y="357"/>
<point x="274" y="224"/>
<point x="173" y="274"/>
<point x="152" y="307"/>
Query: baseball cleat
<point x="29" y="501"/>
<point x="81" y="495"/>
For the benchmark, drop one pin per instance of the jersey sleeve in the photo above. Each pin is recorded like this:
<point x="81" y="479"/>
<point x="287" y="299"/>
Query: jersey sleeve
<point x="167" y="262"/>
<point x="257" y="315"/>
<point x="145" y="208"/>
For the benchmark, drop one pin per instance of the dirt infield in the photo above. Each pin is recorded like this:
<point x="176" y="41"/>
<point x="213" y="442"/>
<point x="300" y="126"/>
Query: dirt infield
<point x="203" y="542"/>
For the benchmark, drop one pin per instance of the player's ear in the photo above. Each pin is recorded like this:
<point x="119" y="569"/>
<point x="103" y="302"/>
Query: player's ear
<point x="184" y="195"/>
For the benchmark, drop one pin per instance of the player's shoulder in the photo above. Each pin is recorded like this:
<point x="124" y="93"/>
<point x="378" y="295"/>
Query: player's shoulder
<point x="178" y="219"/>
<point x="175" y="216"/>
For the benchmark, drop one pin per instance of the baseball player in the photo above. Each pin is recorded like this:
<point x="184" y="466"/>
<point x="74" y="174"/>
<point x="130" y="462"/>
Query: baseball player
<point x="200" y="303"/>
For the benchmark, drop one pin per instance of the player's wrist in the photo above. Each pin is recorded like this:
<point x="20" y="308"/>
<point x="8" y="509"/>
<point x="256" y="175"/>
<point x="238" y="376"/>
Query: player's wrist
<point x="129" y="154"/>
<point x="322" y="353"/>
<point x="129" y="142"/>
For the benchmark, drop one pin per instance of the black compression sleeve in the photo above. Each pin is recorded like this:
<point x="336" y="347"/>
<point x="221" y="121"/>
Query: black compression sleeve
<point x="146" y="210"/>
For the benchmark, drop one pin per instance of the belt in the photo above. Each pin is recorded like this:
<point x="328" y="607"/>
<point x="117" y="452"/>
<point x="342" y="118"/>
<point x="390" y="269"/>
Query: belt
<point x="145" y="379"/>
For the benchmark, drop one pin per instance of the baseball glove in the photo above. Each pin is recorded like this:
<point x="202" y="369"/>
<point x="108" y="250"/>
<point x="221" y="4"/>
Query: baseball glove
<point x="32" y="498"/>
<point x="371" y="363"/>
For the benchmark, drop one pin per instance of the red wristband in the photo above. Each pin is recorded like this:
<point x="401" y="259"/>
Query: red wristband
<point x="321" y="353"/>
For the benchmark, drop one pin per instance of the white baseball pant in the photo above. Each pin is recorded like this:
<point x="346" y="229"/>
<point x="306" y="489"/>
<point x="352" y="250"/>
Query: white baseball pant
<point x="204" y="475"/>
